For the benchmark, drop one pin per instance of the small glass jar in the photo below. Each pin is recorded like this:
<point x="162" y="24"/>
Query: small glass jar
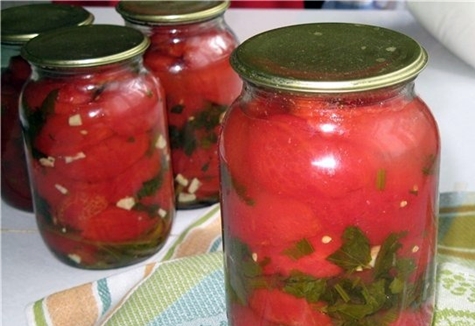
<point x="94" y="123"/>
<point x="190" y="49"/>
<point x="329" y="180"/>
<point x="20" y="24"/>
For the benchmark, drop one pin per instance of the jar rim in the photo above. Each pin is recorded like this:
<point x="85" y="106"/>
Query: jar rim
<point x="85" y="46"/>
<point x="170" y="12"/>
<point x="329" y="58"/>
<point x="22" y="23"/>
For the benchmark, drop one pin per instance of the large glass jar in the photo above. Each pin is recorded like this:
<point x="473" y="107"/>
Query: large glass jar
<point x="20" y="24"/>
<point x="190" y="49"/>
<point x="329" y="182"/>
<point x="94" y="123"/>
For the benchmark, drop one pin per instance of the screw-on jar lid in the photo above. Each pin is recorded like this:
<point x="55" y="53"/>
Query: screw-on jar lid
<point x="170" y="12"/>
<point x="22" y="23"/>
<point x="85" y="46"/>
<point x="329" y="58"/>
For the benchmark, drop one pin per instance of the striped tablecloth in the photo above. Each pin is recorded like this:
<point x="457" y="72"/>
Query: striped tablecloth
<point x="186" y="288"/>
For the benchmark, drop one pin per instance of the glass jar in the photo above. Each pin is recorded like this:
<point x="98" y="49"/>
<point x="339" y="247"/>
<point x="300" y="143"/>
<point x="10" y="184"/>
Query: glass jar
<point x="190" y="49"/>
<point x="94" y="123"/>
<point x="20" y="24"/>
<point x="329" y="180"/>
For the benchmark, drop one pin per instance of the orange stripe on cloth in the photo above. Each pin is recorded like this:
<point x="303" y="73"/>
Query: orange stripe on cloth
<point x="74" y="307"/>
<point x="199" y="240"/>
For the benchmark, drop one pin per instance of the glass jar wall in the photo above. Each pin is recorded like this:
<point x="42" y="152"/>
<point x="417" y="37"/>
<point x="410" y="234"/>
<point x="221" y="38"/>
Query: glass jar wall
<point x="329" y="178"/>
<point x="20" y="24"/>
<point x="98" y="154"/>
<point x="190" y="49"/>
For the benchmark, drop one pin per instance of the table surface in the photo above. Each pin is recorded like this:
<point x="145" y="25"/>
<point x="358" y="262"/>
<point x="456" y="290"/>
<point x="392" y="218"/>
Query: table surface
<point x="29" y="271"/>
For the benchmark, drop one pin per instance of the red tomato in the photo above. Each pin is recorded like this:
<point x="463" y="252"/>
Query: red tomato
<point x="131" y="107"/>
<point x="284" y="309"/>
<point x="76" y="209"/>
<point x="35" y="93"/>
<point x="105" y="160"/>
<point x="203" y="50"/>
<point x="243" y="316"/>
<point x="272" y="227"/>
<point x="67" y="247"/>
<point x="269" y="220"/>
<point x="131" y="180"/>
<point x="74" y="95"/>
<point x="335" y="166"/>
<point x="48" y="183"/>
<point x="59" y="138"/>
<point x="117" y="225"/>
<point x="217" y="83"/>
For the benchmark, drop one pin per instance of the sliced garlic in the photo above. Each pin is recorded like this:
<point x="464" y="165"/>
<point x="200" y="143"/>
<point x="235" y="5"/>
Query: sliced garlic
<point x="195" y="184"/>
<point x="186" y="198"/>
<point x="182" y="180"/>
<point x="374" y="254"/>
<point x="61" y="189"/>
<point x="78" y="156"/>
<point x="126" y="203"/>
<point x="161" y="142"/>
<point x="75" y="120"/>
<point x="162" y="213"/>
<point x="47" y="161"/>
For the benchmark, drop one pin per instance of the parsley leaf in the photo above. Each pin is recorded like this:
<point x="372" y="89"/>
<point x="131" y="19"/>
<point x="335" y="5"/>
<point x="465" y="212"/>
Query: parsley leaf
<point x="355" y="251"/>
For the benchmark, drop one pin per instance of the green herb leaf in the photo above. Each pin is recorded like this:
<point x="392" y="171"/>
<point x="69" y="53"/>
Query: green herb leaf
<point x="387" y="255"/>
<point x="299" y="249"/>
<point x="244" y="274"/>
<point x="150" y="187"/>
<point x="305" y="286"/>
<point x="198" y="131"/>
<point x="381" y="179"/>
<point x="354" y="252"/>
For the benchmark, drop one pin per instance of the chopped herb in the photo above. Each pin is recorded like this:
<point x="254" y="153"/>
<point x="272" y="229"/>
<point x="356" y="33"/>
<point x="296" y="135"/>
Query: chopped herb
<point x="36" y="117"/>
<point x="387" y="255"/>
<point x="354" y="253"/>
<point x="198" y="132"/>
<point x="299" y="249"/>
<point x="429" y="164"/>
<point x="305" y="286"/>
<point x="381" y="179"/>
<point x="150" y="187"/>
<point x="349" y="298"/>
<point x="177" y="109"/>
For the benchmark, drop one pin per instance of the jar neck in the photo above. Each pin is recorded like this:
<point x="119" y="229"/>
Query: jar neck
<point x="149" y="28"/>
<point x="329" y="101"/>
<point x="110" y="71"/>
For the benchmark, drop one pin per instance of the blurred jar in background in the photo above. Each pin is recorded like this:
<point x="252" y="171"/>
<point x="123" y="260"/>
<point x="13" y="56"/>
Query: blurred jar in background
<point x="98" y="154"/>
<point x="191" y="45"/>
<point x="20" y="24"/>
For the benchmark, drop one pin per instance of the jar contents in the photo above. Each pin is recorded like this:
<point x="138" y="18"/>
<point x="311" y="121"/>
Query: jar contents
<point x="98" y="153"/>
<point x="189" y="52"/>
<point x="329" y="199"/>
<point x="20" y="24"/>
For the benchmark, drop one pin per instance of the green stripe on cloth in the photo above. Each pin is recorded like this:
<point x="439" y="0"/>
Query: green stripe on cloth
<point x="166" y="286"/>
<point x="39" y="313"/>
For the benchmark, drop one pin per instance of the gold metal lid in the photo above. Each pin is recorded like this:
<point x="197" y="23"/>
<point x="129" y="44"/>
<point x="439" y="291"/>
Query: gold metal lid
<point x="85" y="46"/>
<point x="170" y="12"/>
<point x="329" y="58"/>
<point x="22" y="23"/>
